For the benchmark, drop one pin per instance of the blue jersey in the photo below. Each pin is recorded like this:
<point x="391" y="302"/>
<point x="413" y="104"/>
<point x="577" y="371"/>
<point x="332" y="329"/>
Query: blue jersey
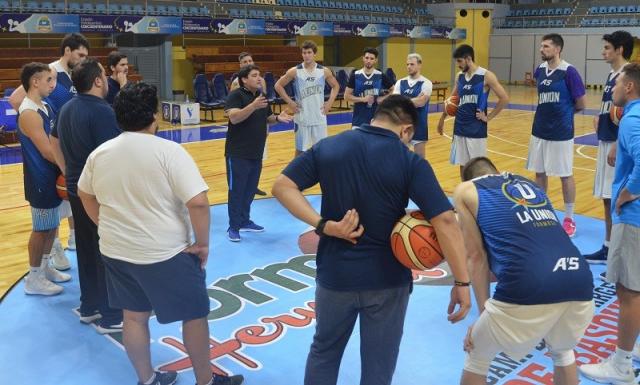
<point x="607" y="131"/>
<point x="363" y="85"/>
<point x="558" y="90"/>
<point x="39" y="174"/>
<point x="64" y="90"/>
<point x="472" y="98"/>
<point x="528" y="251"/>
<point x="411" y="88"/>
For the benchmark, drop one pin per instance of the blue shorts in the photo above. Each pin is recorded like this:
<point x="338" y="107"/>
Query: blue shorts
<point x="174" y="289"/>
<point x="44" y="219"/>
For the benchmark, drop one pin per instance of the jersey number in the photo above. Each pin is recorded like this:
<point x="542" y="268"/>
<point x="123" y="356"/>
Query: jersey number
<point x="525" y="191"/>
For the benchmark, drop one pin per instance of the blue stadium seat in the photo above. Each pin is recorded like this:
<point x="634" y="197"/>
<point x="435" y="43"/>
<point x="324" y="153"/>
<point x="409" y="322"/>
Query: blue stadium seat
<point x="358" y="7"/>
<point x="340" y="17"/>
<point x="126" y="9"/>
<point x="534" y="12"/>
<point x="295" y="3"/>
<point x="303" y="3"/>
<point x="567" y="11"/>
<point x="234" y="12"/>
<point x="114" y="9"/>
<point x="632" y="9"/>
<point x="4" y="5"/>
<point x="613" y="22"/>
<point x="339" y="5"/>
<point x="534" y="23"/>
<point x="87" y="8"/>
<point x="332" y="4"/>
<point x="542" y="12"/>
<point x="593" y="10"/>
<point x="203" y="95"/>
<point x="518" y="12"/>
<point x="31" y="6"/>
<point x="526" y="23"/>
<point x="509" y="23"/>
<point x="634" y="21"/>
<point x="46" y="6"/>
<point x="194" y="11"/>
<point x="253" y="13"/>
<point x="518" y="24"/>
<point x="288" y="3"/>
<point x="101" y="8"/>
<point x="138" y="9"/>
<point x="602" y="10"/>
<point x="352" y="6"/>
<point x="511" y="12"/>
<point x="74" y="8"/>
<point x="161" y="10"/>
<point x="59" y="6"/>
<point x="526" y="12"/>
<point x="612" y="9"/>
<point x="559" y="11"/>
<point x="624" y="21"/>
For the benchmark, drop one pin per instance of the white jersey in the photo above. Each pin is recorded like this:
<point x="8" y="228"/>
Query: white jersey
<point x="309" y="92"/>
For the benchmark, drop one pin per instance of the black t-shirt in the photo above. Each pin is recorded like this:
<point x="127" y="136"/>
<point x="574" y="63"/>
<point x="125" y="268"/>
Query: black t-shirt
<point x="246" y="139"/>
<point x="114" y="88"/>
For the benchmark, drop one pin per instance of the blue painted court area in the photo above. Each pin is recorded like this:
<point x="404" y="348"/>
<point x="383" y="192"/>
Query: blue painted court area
<point x="262" y="321"/>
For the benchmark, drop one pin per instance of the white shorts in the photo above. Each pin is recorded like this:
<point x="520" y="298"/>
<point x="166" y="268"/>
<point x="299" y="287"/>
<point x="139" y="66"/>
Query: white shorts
<point x="551" y="157"/>
<point x="604" y="173"/>
<point x="516" y="329"/>
<point x="464" y="149"/>
<point x="307" y="136"/>
<point x="65" y="209"/>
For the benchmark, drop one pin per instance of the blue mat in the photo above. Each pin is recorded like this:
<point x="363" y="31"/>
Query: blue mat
<point x="263" y="328"/>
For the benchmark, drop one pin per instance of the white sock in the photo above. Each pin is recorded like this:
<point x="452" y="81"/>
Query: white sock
<point x="56" y="242"/>
<point x="622" y="359"/>
<point x="568" y="210"/>
<point x="606" y="243"/>
<point x="45" y="261"/>
<point x="72" y="234"/>
<point x="34" y="270"/>
<point x="150" y="380"/>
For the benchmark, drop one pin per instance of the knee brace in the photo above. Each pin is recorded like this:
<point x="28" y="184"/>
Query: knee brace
<point x="563" y="357"/>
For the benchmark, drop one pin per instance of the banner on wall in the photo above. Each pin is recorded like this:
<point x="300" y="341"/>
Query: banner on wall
<point x="54" y="23"/>
<point x="39" y="23"/>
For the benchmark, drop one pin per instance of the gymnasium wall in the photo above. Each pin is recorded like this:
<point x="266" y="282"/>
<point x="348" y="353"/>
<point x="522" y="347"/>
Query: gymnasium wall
<point x="514" y="52"/>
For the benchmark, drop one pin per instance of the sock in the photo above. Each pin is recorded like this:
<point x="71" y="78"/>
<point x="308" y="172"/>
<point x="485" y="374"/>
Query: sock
<point x="34" y="270"/>
<point x="45" y="261"/>
<point x="56" y="242"/>
<point x="606" y="244"/>
<point x="568" y="210"/>
<point x="150" y="380"/>
<point x="622" y="359"/>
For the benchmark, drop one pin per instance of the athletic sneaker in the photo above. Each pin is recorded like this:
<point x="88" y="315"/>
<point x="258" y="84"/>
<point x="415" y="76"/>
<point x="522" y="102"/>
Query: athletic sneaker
<point x="599" y="257"/>
<point x="89" y="317"/>
<point x="224" y="380"/>
<point x="71" y="243"/>
<point x="569" y="226"/>
<point x="106" y="329"/>
<point x="58" y="258"/>
<point x="164" y="378"/>
<point x="607" y="372"/>
<point x="252" y="228"/>
<point x="54" y="275"/>
<point x="37" y="284"/>
<point x="233" y="235"/>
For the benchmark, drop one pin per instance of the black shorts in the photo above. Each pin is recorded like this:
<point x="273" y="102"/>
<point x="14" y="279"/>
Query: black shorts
<point x="174" y="289"/>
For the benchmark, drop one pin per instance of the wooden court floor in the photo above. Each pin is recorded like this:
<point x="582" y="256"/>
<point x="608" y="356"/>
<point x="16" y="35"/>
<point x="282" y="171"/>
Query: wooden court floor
<point x="508" y="138"/>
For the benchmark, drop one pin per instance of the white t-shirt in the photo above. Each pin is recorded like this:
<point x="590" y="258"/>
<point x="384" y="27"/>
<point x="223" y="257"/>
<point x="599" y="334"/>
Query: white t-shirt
<point x="142" y="183"/>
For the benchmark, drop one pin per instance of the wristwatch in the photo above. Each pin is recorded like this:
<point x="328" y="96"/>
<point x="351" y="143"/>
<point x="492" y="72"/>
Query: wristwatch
<point x="320" y="227"/>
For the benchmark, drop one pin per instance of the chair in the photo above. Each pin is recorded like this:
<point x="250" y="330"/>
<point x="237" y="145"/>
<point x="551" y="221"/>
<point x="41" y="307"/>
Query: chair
<point x="31" y="6"/>
<point x="161" y="10"/>
<point x="126" y="9"/>
<point x="342" y="78"/>
<point x="203" y="95"/>
<point x="612" y="9"/>
<point x="46" y="6"/>
<point x="390" y="74"/>
<point x="4" y="5"/>
<point x="74" y="8"/>
<point x="593" y="10"/>
<point x="87" y="8"/>
<point x="114" y="9"/>
<point x="8" y="92"/>
<point x="219" y="90"/>
<point x="542" y="12"/>
<point x="60" y="6"/>
<point x="269" y="87"/>
<point x="534" y="12"/>
<point x="567" y="11"/>
<point x="101" y="8"/>
<point x="632" y="9"/>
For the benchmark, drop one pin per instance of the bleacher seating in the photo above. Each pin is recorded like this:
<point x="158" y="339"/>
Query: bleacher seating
<point x="541" y="16"/>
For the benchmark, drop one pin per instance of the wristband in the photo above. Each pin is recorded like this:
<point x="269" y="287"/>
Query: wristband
<point x="459" y="283"/>
<point x="320" y="227"/>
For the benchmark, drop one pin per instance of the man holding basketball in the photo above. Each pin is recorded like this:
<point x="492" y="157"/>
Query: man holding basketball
<point x="545" y="287"/>
<point x="357" y="274"/>
<point x="472" y="87"/>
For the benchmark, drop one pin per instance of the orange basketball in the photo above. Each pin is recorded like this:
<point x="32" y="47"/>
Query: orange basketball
<point x="451" y="105"/>
<point x="615" y="113"/>
<point x="414" y="242"/>
<point x="61" y="187"/>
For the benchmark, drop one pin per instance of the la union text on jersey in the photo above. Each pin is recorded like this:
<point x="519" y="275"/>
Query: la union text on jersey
<point x="529" y="207"/>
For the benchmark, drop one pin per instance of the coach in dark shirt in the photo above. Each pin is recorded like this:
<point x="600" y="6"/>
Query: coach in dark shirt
<point x="249" y="112"/>
<point x="119" y="66"/>
<point x="367" y="177"/>
<point x="84" y="123"/>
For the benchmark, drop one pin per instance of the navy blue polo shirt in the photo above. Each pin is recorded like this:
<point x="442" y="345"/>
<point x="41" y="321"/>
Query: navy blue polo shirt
<point x="371" y="170"/>
<point x="114" y="88"/>
<point x="84" y="123"/>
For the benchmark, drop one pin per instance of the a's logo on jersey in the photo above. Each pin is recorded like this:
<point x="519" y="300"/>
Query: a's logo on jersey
<point x="546" y="82"/>
<point x="607" y="89"/>
<point x="523" y="194"/>
<point x="310" y="79"/>
<point x="467" y="87"/>
<point x="44" y="24"/>
<point x="409" y="91"/>
<point x="368" y="83"/>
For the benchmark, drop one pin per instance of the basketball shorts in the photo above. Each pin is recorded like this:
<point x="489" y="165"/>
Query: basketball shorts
<point x="44" y="219"/>
<point x="551" y="157"/>
<point x="623" y="263"/>
<point x="464" y="149"/>
<point x="65" y="209"/>
<point x="516" y="329"/>
<point x="307" y="136"/>
<point x="604" y="173"/>
<point x="174" y="289"/>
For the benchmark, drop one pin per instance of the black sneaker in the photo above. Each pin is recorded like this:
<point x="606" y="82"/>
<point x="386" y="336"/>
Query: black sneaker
<point x="164" y="378"/>
<point x="224" y="380"/>
<point x="260" y="192"/>
<point x="599" y="257"/>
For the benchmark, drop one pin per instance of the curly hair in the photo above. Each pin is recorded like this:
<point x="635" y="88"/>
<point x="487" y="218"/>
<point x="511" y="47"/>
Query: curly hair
<point x="135" y="106"/>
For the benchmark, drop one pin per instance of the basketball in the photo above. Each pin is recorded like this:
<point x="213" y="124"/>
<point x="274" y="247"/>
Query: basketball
<point x="414" y="242"/>
<point x="61" y="187"/>
<point x="451" y="105"/>
<point x="615" y="113"/>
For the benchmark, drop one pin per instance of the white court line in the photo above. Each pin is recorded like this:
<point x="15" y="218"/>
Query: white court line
<point x="579" y="151"/>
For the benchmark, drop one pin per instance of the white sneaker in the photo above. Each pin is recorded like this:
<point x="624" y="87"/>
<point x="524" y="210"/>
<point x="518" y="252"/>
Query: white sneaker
<point x="59" y="259"/>
<point x="636" y="352"/>
<point x="607" y="372"/>
<point x="54" y="275"/>
<point x="71" y="243"/>
<point x="107" y="329"/>
<point x="37" y="284"/>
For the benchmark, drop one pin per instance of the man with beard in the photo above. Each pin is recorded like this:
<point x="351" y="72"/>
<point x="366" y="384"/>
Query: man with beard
<point x="560" y="95"/>
<point x="119" y="66"/>
<point x="84" y="123"/>
<point x="365" y="89"/>
<point x="418" y="89"/>
<point x="472" y="87"/>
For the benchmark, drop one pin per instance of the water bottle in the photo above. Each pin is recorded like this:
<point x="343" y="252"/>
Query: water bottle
<point x="186" y="98"/>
